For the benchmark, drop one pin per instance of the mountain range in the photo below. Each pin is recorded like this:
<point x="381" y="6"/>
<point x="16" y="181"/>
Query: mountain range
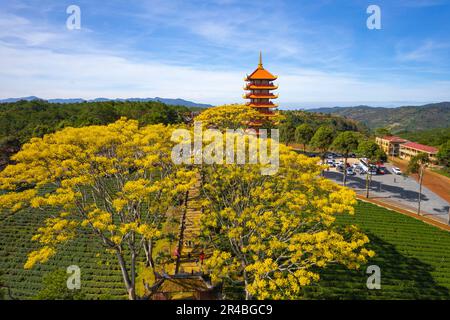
<point x="399" y="119"/>
<point x="177" y="102"/>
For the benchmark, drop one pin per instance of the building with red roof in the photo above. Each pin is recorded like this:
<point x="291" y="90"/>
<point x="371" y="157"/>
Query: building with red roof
<point x="411" y="149"/>
<point x="390" y="144"/>
<point x="398" y="147"/>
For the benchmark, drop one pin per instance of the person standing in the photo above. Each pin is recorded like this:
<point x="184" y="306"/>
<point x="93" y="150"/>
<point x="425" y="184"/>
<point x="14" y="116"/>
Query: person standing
<point x="201" y="258"/>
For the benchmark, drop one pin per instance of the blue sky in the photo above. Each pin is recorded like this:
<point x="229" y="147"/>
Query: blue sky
<point x="321" y="50"/>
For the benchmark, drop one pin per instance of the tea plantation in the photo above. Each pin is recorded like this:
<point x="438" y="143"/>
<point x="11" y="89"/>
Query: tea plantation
<point x="414" y="259"/>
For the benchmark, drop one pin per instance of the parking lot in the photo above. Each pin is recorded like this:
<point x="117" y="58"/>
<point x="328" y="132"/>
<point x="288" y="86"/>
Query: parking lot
<point x="396" y="189"/>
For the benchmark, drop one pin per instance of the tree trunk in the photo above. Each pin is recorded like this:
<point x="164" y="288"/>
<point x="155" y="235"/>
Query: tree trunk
<point x="148" y="248"/>
<point x="448" y="222"/>
<point x="345" y="170"/>
<point x="248" y="296"/>
<point x="131" y="294"/>
<point x="323" y="161"/>
<point x="421" y="173"/>
<point x="367" y="184"/>
<point x="129" y="284"/>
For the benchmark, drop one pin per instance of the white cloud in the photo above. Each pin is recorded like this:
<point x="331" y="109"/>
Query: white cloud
<point x="427" y="51"/>
<point x="54" y="63"/>
<point x="49" y="74"/>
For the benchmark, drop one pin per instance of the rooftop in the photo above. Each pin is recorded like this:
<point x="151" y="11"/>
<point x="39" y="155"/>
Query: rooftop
<point x="394" y="139"/>
<point x="420" y="147"/>
<point x="260" y="73"/>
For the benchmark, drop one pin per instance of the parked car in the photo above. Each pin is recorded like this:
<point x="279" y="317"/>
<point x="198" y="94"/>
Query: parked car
<point x="382" y="170"/>
<point x="331" y="163"/>
<point x="396" y="170"/>
<point x="340" y="167"/>
<point x="350" y="172"/>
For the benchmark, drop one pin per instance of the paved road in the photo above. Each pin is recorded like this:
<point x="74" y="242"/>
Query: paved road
<point x="397" y="189"/>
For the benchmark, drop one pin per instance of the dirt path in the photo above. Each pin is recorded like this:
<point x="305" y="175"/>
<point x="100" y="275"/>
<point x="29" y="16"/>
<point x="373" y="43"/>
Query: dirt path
<point x="436" y="182"/>
<point x="189" y="246"/>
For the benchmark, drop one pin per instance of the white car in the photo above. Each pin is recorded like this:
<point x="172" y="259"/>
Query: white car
<point x="396" y="170"/>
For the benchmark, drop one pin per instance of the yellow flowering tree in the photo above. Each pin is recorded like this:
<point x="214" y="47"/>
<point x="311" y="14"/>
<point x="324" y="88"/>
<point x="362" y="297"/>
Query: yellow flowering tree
<point x="232" y="116"/>
<point x="271" y="233"/>
<point x="115" y="182"/>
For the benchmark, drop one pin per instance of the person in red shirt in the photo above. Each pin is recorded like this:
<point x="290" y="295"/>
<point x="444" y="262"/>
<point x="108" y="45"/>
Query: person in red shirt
<point x="202" y="257"/>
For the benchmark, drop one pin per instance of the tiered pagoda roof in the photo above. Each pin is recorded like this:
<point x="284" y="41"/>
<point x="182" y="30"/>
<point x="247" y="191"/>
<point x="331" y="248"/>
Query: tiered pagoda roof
<point x="260" y="85"/>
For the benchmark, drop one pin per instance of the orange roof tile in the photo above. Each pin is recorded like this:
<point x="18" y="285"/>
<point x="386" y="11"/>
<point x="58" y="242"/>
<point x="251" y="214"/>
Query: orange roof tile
<point x="261" y="74"/>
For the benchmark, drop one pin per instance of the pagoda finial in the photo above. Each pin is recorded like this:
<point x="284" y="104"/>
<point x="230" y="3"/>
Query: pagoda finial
<point x="260" y="65"/>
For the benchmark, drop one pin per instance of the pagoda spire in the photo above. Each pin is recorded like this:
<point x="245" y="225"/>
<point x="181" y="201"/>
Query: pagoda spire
<point x="260" y="65"/>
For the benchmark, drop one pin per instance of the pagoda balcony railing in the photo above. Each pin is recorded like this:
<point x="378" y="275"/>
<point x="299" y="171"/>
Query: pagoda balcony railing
<point x="249" y="86"/>
<point x="269" y="84"/>
<point x="259" y="96"/>
<point x="262" y="104"/>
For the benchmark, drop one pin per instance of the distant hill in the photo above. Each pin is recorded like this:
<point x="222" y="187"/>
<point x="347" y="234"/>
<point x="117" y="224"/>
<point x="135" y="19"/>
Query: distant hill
<point x="174" y="102"/>
<point x="407" y="118"/>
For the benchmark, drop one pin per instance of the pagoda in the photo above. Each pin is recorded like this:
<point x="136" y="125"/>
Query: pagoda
<point x="260" y="84"/>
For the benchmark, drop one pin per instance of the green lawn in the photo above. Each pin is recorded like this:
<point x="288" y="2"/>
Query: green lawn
<point x="413" y="256"/>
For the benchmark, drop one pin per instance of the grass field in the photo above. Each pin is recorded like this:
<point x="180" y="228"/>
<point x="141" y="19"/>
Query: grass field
<point x="413" y="256"/>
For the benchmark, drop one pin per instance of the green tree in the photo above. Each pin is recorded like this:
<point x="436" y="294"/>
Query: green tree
<point x="322" y="139"/>
<point x="370" y="150"/>
<point x="380" y="132"/>
<point x="417" y="164"/>
<point x="287" y="132"/>
<point x="304" y="134"/>
<point x="346" y="142"/>
<point x="444" y="154"/>
<point x="54" y="287"/>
